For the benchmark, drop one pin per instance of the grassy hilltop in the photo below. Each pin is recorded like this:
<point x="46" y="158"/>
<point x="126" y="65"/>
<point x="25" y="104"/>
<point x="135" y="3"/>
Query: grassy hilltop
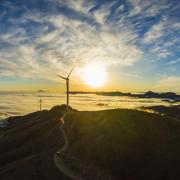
<point x="123" y="144"/>
<point x="127" y="144"/>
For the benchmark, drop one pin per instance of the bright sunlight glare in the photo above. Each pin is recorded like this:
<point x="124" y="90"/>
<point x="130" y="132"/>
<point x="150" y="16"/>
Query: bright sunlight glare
<point x="94" y="75"/>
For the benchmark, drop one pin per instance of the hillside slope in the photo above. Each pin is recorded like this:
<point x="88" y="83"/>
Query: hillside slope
<point x="28" y="145"/>
<point x="116" y="144"/>
<point x="126" y="144"/>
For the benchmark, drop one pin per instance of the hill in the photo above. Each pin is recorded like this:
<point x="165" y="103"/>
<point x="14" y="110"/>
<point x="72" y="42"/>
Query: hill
<point x="119" y="144"/>
<point x="126" y="144"/>
<point x="27" y="146"/>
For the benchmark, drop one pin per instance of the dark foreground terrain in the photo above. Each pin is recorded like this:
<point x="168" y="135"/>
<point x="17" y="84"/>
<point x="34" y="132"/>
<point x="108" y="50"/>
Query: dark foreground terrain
<point x="28" y="144"/>
<point x="121" y="144"/>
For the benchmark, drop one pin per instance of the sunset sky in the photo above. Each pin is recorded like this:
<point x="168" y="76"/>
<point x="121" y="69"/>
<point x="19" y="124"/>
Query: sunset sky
<point x="136" y="42"/>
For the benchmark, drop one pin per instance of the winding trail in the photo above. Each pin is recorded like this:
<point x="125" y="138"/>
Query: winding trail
<point x="59" y="162"/>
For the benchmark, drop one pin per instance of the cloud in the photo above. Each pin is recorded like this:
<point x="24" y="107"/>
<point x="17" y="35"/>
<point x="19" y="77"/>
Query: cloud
<point x="176" y="26"/>
<point x="156" y="31"/>
<point x="147" y="8"/>
<point x="80" y="5"/>
<point x="174" y="62"/>
<point x="161" y="51"/>
<point x="103" y="12"/>
<point x="162" y="38"/>
<point x="69" y="42"/>
<point x="171" y="83"/>
<point x="39" y="42"/>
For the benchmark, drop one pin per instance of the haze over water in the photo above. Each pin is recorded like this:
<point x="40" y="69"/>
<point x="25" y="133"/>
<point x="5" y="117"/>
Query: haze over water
<point x="20" y="103"/>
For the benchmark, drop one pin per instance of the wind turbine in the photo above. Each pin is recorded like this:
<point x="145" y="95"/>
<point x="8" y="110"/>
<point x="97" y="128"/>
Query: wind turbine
<point x="67" y="85"/>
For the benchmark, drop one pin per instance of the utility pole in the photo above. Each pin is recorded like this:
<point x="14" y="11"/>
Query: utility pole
<point x="40" y="104"/>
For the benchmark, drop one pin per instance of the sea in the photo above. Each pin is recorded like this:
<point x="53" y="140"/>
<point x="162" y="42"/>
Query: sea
<point x="20" y="103"/>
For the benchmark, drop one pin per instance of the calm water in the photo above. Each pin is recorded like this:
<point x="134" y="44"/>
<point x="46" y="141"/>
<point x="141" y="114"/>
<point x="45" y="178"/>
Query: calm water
<point x="19" y="103"/>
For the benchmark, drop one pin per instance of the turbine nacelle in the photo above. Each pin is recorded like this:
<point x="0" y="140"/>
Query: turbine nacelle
<point x="66" y="78"/>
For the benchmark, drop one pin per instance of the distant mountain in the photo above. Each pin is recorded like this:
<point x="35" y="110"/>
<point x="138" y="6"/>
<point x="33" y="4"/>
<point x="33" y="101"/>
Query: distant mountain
<point x="169" y="95"/>
<point x="116" y="93"/>
<point x="149" y="94"/>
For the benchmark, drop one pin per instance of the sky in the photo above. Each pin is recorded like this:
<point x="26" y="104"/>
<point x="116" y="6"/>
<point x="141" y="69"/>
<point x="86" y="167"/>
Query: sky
<point x="136" y="41"/>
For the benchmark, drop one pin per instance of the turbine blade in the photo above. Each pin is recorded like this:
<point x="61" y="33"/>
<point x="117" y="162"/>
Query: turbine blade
<point x="62" y="77"/>
<point x="70" y="72"/>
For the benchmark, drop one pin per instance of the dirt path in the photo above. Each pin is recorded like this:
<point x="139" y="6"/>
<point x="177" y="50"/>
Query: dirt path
<point x="58" y="160"/>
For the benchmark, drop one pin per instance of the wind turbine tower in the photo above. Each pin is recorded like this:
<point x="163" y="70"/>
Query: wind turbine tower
<point x="67" y="85"/>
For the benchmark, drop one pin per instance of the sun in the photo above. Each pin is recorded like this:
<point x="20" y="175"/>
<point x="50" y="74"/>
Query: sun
<point x="94" y="75"/>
